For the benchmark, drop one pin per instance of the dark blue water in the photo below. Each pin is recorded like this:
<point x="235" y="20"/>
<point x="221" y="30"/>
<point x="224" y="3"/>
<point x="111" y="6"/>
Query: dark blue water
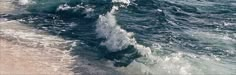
<point x="147" y="37"/>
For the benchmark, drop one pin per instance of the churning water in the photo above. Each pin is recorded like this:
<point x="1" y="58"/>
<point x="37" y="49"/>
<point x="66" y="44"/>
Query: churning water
<point x="139" y="37"/>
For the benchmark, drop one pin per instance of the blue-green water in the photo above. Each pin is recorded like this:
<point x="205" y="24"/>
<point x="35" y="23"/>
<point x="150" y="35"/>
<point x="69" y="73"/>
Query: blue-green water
<point x="141" y="37"/>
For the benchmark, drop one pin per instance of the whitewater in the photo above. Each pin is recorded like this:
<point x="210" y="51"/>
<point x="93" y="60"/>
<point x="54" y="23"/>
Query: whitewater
<point x="118" y="37"/>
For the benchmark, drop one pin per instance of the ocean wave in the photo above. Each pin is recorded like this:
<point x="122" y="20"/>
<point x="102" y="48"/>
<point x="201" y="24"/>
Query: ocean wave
<point x="154" y="37"/>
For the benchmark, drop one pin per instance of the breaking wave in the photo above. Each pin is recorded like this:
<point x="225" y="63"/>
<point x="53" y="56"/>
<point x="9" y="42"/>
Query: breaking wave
<point x="154" y="37"/>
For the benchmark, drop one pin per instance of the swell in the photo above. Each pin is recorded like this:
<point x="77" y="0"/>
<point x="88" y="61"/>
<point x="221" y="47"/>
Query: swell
<point x="83" y="20"/>
<point x="184" y="37"/>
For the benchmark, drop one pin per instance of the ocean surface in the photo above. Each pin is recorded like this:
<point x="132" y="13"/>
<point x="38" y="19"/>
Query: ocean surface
<point x="139" y="37"/>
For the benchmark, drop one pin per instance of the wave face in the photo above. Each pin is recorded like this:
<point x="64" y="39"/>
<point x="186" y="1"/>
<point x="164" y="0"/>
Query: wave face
<point x="148" y="37"/>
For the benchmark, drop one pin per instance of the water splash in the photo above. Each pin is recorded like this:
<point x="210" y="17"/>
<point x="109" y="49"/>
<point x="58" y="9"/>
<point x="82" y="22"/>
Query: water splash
<point x="117" y="38"/>
<point x="23" y="2"/>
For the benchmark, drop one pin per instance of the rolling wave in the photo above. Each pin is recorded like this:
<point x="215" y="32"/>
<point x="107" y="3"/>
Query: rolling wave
<point x="154" y="37"/>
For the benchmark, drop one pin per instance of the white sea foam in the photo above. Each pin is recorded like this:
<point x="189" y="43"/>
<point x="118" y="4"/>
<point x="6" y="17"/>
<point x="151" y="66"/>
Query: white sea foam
<point x="86" y="9"/>
<point x="64" y="7"/>
<point x="179" y="63"/>
<point x="30" y="47"/>
<point x="6" y="6"/>
<point x="23" y="2"/>
<point x="122" y="1"/>
<point x="116" y="37"/>
<point x="183" y="63"/>
<point x="13" y="6"/>
<point x="157" y="65"/>
<point x="223" y="41"/>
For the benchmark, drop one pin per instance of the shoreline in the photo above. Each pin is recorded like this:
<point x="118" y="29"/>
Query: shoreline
<point x="24" y="50"/>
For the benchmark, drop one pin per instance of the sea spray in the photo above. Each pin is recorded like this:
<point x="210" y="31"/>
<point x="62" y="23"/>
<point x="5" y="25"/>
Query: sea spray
<point x="117" y="38"/>
<point x="180" y="29"/>
<point x="23" y="2"/>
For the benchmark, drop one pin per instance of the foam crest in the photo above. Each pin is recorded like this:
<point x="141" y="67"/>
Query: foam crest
<point x="74" y="8"/>
<point x="23" y="2"/>
<point x="121" y="1"/>
<point x="178" y="64"/>
<point x="157" y="65"/>
<point x="116" y="37"/>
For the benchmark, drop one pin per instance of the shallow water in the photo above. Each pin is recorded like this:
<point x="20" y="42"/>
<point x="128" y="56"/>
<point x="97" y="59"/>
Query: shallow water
<point x="148" y="37"/>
